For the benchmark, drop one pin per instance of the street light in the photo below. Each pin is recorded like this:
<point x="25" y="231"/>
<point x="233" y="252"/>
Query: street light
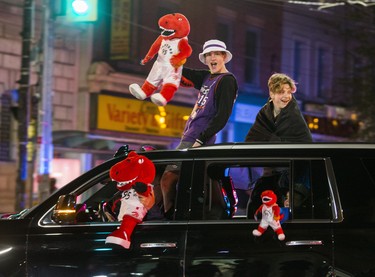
<point x="80" y="7"/>
<point x="81" y="10"/>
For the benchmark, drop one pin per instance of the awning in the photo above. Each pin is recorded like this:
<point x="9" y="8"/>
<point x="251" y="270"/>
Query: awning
<point x="81" y="140"/>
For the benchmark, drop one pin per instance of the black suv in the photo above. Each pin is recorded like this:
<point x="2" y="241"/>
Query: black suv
<point x="327" y="192"/>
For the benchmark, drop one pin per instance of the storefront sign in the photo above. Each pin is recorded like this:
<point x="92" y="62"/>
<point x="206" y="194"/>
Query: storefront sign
<point x="141" y="117"/>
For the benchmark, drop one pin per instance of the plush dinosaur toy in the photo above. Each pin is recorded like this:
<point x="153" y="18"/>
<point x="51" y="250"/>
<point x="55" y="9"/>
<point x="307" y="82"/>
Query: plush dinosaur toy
<point x="270" y="215"/>
<point x="133" y="176"/>
<point x="173" y="49"/>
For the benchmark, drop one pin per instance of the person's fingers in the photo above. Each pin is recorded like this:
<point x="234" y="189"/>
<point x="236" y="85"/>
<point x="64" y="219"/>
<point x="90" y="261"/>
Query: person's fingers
<point x="147" y="201"/>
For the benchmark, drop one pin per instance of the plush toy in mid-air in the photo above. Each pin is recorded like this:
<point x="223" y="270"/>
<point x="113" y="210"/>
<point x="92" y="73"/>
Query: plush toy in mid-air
<point x="133" y="176"/>
<point x="173" y="49"/>
<point x="270" y="215"/>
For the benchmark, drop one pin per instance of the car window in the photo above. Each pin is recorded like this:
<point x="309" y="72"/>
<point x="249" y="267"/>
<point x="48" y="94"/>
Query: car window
<point x="357" y="191"/>
<point x="233" y="190"/>
<point x="311" y="194"/>
<point x="99" y="200"/>
<point x="224" y="190"/>
<point x="105" y="196"/>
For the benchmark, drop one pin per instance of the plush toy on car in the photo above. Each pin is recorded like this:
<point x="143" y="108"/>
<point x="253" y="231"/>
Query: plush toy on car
<point x="173" y="49"/>
<point x="270" y="215"/>
<point x="133" y="176"/>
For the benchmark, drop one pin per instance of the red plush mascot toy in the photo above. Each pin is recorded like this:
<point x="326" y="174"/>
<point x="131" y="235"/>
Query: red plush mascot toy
<point x="173" y="49"/>
<point x="270" y="215"/>
<point x="133" y="176"/>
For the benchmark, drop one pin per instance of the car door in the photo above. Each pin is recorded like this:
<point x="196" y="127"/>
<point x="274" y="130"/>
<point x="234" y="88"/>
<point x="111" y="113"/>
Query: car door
<point x="219" y="245"/>
<point x="79" y="249"/>
<point x="13" y="245"/>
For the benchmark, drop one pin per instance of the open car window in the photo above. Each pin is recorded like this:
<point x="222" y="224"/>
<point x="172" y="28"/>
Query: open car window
<point x="233" y="190"/>
<point x="99" y="201"/>
<point x="230" y="191"/>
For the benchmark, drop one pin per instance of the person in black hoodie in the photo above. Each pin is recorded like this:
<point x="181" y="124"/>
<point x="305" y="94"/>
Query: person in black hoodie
<point x="280" y="119"/>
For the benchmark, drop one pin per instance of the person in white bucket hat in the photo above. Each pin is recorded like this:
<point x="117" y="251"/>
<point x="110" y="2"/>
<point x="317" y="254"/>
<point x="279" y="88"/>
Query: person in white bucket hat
<point x="217" y="89"/>
<point x="215" y="45"/>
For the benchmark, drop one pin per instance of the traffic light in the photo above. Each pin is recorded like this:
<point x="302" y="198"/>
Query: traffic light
<point x="81" y="10"/>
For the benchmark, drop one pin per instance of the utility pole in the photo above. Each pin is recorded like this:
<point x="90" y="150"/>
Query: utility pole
<point x="24" y="104"/>
<point x="45" y="149"/>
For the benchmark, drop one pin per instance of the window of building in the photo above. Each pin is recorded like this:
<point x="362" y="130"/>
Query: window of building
<point x="251" y="57"/>
<point x="5" y="127"/>
<point x="297" y="60"/>
<point x="323" y="78"/>
<point x="320" y="72"/>
<point x="163" y="11"/>
<point x="223" y="33"/>
<point x="300" y="65"/>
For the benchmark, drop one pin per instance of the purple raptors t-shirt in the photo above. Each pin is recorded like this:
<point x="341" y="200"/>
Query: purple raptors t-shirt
<point x="204" y="110"/>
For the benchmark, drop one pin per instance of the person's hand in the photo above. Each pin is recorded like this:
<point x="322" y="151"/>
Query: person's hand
<point x="196" y="144"/>
<point x="286" y="201"/>
<point x="147" y="201"/>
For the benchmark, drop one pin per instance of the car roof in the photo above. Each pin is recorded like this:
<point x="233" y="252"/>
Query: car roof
<point x="317" y="145"/>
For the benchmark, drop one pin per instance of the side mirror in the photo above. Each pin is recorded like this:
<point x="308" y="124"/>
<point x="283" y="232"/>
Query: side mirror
<point x="65" y="209"/>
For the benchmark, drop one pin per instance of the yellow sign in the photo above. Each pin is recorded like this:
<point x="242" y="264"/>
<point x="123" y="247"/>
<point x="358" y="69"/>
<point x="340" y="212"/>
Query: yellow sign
<point x="120" y="29"/>
<point x="31" y="135"/>
<point x="141" y="117"/>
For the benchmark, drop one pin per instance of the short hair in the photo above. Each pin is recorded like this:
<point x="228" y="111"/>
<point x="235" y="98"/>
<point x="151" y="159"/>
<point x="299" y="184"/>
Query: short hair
<point x="277" y="80"/>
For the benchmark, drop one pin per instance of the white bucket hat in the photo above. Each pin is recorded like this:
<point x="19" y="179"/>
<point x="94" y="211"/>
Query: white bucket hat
<point x="214" y="45"/>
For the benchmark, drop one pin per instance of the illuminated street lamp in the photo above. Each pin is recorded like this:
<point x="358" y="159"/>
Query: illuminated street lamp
<point x="81" y="10"/>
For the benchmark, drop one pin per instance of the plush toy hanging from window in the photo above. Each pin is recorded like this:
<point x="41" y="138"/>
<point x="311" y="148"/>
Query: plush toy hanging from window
<point x="173" y="49"/>
<point x="133" y="176"/>
<point x="270" y="215"/>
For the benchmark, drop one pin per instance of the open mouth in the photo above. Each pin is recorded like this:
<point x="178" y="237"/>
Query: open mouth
<point x="266" y="199"/>
<point x="121" y="184"/>
<point x="285" y="101"/>
<point x="213" y="65"/>
<point x="167" y="32"/>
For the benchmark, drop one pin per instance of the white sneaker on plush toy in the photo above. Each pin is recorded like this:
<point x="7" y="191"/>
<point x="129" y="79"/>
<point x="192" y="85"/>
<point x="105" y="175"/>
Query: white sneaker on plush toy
<point x="137" y="92"/>
<point x="158" y="99"/>
<point x="281" y="237"/>
<point x="118" y="237"/>
<point x="256" y="233"/>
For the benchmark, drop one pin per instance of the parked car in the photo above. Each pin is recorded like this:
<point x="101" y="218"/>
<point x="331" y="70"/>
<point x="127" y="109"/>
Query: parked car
<point x="329" y="227"/>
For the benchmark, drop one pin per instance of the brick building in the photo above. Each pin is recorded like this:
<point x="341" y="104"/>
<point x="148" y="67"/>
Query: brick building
<point x="67" y="99"/>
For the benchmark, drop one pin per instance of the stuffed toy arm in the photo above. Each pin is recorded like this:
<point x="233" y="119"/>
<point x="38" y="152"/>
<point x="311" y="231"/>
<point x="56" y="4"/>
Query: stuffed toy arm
<point x="257" y="212"/>
<point x="185" y="52"/>
<point x="186" y="82"/>
<point x="152" y="51"/>
<point x="276" y="213"/>
<point x="142" y="188"/>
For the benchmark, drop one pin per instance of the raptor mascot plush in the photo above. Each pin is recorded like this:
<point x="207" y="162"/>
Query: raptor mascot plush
<point x="270" y="215"/>
<point x="133" y="176"/>
<point x="173" y="49"/>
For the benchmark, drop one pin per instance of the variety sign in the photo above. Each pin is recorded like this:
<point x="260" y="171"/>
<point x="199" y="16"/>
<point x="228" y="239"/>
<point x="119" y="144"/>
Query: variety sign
<point x="142" y="117"/>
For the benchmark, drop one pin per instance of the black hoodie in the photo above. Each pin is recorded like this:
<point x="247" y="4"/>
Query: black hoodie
<point x="288" y="126"/>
